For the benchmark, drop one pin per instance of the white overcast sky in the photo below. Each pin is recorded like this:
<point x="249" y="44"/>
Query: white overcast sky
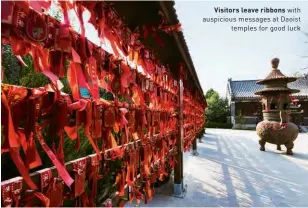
<point x="219" y="54"/>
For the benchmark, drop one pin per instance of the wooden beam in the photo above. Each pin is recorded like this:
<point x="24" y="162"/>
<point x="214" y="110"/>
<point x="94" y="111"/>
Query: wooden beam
<point x="69" y="165"/>
<point x="182" y="50"/>
<point x="178" y="168"/>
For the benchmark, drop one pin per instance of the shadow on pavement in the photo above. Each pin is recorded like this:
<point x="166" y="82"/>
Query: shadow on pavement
<point x="230" y="171"/>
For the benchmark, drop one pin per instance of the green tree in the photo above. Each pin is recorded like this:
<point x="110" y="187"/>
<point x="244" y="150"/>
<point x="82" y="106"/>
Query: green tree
<point x="217" y="110"/>
<point x="9" y="62"/>
<point x="209" y="93"/>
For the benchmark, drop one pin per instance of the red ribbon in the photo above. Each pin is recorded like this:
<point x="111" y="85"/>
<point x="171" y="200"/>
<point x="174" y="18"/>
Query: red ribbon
<point x="72" y="79"/>
<point x="40" y="59"/>
<point x="88" y="124"/>
<point x="61" y="169"/>
<point x="93" y="79"/>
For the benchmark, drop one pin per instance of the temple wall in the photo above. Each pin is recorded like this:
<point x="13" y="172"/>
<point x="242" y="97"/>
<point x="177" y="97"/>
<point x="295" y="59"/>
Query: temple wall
<point x="246" y="108"/>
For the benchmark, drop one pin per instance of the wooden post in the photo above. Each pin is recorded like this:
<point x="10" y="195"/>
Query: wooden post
<point x="194" y="144"/>
<point x="178" y="190"/>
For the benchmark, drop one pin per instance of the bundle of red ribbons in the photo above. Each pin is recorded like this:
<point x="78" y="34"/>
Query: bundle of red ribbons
<point x="112" y="127"/>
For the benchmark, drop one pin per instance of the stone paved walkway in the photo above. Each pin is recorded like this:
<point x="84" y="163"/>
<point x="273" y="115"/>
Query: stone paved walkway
<point x="230" y="171"/>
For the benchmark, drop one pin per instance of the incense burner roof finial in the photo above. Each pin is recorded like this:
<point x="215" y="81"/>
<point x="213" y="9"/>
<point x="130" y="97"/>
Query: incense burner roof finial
<point x="275" y="63"/>
<point x="276" y="81"/>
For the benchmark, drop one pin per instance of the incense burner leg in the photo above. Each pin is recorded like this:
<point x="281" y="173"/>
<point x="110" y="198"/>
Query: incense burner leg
<point x="278" y="147"/>
<point x="262" y="144"/>
<point x="289" y="145"/>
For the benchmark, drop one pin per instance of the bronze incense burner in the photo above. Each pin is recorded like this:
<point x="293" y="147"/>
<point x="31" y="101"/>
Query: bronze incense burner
<point x="276" y="99"/>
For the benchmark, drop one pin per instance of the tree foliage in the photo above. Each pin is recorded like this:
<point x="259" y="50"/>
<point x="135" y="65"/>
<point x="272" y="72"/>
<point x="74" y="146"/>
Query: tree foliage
<point x="15" y="74"/>
<point x="9" y="62"/>
<point x="209" y="93"/>
<point x="217" y="110"/>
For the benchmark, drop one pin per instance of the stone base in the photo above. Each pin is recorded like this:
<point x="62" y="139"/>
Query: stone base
<point x="194" y="153"/>
<point x="179" y="190"/>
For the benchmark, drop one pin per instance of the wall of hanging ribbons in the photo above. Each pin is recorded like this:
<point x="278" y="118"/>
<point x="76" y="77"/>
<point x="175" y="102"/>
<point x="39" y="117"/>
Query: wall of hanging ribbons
<point x="139" y="126"/>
